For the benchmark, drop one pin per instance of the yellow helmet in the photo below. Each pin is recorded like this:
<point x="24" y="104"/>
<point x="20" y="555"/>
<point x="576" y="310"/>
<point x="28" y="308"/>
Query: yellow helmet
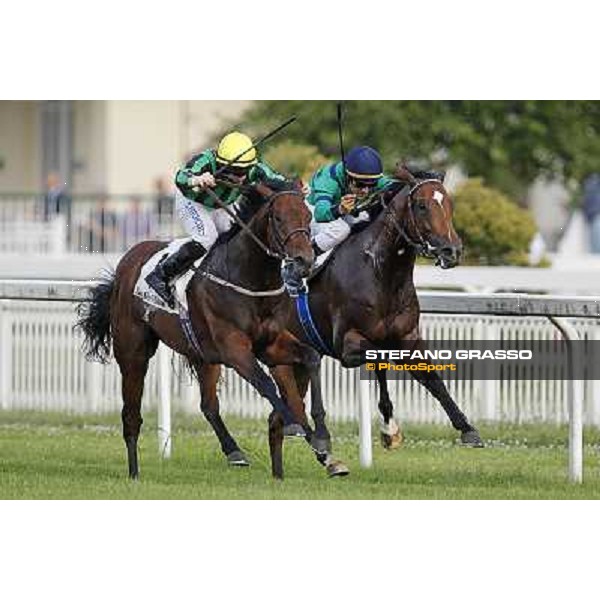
<point x="232" y="146"/>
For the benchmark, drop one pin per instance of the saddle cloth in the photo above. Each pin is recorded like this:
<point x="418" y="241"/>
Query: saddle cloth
<point x="148" y="295"/>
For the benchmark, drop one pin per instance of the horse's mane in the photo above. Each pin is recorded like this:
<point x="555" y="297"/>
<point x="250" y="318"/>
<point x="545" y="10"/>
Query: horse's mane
<point x="251" y="204"/>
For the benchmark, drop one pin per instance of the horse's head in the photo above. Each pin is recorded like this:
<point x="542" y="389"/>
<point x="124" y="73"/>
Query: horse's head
<point x="425" y="220"/>
<point x="288" y="227"/>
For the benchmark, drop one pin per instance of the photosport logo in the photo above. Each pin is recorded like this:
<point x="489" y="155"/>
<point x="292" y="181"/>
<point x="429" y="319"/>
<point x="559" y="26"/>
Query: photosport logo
<point x="477" y="359"/>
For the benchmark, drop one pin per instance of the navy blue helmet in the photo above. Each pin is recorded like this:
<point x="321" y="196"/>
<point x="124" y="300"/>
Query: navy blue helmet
<point x="364" y="164"/>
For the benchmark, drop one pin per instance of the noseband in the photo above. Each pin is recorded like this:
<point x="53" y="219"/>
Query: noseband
<point x="281" y="243"/>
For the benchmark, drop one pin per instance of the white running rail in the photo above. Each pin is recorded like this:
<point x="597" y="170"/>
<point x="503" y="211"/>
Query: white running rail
<point x="42" y="368"/>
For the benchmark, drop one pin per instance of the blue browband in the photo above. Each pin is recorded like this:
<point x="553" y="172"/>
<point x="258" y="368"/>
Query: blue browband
<point x="308" y="324"/>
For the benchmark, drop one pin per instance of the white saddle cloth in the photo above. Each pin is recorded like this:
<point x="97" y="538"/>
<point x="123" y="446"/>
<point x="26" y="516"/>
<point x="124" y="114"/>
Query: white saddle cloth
<point x="148" y="295"/>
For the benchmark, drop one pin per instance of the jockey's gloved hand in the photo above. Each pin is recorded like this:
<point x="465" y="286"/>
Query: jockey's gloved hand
<point x="347" y="204"/>
<point x="202" y="181"/>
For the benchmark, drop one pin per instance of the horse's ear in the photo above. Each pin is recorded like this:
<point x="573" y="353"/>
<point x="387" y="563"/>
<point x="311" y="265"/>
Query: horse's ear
<point x="404" y="174"/>
<point x="297" y="184"/>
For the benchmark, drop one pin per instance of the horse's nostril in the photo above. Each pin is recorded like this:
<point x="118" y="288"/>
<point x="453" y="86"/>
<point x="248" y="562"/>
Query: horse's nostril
<point x="450" y="253"/>
<point x="303" y="264"/>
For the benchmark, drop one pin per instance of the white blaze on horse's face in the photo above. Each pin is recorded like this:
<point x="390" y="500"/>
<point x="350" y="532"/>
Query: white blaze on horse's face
<point x="438" y="197"/>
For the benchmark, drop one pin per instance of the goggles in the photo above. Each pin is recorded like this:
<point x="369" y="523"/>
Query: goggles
<point x="363" y="184"/>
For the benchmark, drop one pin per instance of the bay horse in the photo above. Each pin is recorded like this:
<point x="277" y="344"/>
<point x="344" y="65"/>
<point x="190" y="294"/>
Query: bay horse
<point x="234" y="315"/>
<point x="364" y="297"/>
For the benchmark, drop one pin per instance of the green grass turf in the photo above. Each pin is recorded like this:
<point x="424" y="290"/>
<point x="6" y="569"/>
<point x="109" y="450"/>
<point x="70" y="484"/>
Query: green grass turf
<point x="61" y="456"/>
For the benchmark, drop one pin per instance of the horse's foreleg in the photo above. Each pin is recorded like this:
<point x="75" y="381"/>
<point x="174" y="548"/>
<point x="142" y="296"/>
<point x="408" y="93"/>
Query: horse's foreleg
<point x="208" y="376"/>
<point x="354" y="344"/>
<point x="293" y="384"/>
<point x="391" y="435"/>
<point x="286" y="382"/>
<point x="239" y="355"/>
<point x="322" y="441"/>
<point x="432" y="382"/>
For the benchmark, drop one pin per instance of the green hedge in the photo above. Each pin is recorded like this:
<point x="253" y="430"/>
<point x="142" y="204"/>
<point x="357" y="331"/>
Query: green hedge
<point x="494" y="230"/>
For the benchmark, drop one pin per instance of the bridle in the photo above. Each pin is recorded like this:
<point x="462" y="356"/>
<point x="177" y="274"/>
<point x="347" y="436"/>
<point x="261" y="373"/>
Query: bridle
<point x="422" y="246"/>
<point x="280" y="252"/>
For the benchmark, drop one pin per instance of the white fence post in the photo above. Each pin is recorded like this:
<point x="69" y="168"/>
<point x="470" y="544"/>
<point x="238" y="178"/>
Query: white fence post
<point x="94" y="372"/>
<point x="364" y="423"/>
<point x="490" y="386"/>
<point x="576" y="391"/>
<point x="6" y="344"/>
<point x="593" y="387"/>
<point x="164" y="401"/>
<point x="58" y="235"/>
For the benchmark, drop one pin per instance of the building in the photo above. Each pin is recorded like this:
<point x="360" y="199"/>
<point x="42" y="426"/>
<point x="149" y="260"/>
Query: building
<point x="104" y="146"/>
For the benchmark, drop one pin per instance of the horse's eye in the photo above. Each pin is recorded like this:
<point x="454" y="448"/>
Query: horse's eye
<point x="422" y="208"/>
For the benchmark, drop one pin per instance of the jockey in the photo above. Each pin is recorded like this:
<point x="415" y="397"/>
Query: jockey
<point x="336" y="189"/>
<point x="202" y="221"/>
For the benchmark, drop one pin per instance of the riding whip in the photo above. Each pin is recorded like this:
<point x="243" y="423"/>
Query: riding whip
<point x="239" y="221"/>
<point x="256" y="144"/>
<point x="341" y="137"/>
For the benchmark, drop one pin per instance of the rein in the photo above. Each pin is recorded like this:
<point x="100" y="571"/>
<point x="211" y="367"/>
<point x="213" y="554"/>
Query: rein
<point x="241" y="223"/>
<point x="280" y="253"/>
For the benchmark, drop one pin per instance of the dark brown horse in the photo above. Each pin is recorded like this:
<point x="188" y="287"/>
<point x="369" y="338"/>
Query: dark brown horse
<point x="364" y="298"/>
<point x="236" y="326"/>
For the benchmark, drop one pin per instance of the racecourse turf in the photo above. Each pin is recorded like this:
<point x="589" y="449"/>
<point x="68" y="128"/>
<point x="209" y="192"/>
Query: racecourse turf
<point x="73" y="457"/>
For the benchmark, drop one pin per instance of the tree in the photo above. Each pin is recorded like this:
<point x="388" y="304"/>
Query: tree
<point x="294" y="159"/>
<point x="508" y="143"/>
<point x="493" y="229"/>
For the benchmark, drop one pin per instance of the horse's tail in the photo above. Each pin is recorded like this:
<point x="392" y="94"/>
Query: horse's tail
<point x="93" y="320"/>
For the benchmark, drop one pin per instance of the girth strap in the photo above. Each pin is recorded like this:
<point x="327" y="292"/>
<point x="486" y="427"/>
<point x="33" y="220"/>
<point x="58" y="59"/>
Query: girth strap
<point x="188" y="330"/>
<point x="308" y="325"/>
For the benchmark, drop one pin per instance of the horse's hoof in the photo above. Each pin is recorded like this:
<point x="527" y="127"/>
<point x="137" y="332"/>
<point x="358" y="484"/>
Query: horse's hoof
<point x="294" y="430"/>
<point x="471" y="439"/>
<point x="320" y="445"/>
<point x="237" y="459"/>
<point x="391" y="435"/>
<point x="391" y="442"/>
<point x="336" y="468"/>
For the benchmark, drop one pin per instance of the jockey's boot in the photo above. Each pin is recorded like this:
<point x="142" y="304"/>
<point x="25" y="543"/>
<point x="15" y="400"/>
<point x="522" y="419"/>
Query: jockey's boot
<point x="172" y="266"/>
